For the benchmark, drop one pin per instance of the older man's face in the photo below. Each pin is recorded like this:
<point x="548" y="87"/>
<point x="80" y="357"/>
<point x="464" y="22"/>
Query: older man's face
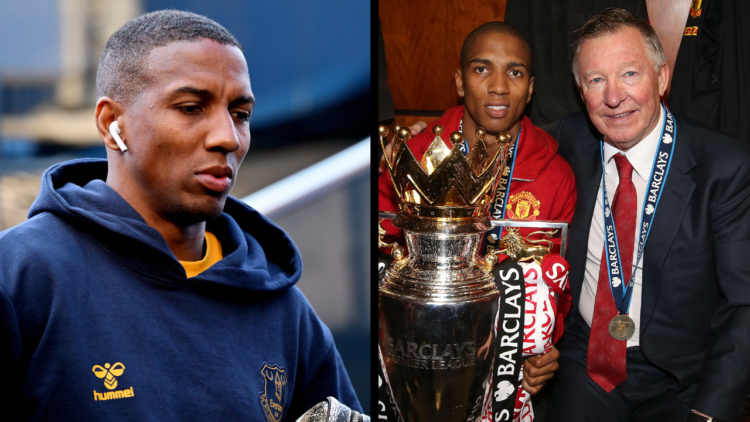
<point x="620" y="86"/>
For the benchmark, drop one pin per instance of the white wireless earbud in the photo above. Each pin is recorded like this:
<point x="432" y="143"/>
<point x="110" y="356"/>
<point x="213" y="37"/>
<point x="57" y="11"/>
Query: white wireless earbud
<point x="114" y="129"/>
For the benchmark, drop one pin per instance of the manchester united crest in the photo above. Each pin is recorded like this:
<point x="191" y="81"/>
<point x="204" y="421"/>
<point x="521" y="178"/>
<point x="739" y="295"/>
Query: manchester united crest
<point x="523" y="206"/>
<point x="273" y="396"/>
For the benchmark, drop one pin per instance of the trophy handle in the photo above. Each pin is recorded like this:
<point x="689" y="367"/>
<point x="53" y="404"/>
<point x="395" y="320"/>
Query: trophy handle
<point x="397" y="252"/>
<point x="381" y="233"/>
<point x="489" y="261"/>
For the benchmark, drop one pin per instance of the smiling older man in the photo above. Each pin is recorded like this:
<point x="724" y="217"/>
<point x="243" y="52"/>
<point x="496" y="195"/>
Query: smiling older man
<point x="660" y="323"/>
<point x="138" y="290"/>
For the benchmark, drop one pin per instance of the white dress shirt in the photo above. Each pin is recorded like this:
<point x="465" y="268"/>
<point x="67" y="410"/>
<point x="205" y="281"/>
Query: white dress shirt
<point x="641" y="157"/>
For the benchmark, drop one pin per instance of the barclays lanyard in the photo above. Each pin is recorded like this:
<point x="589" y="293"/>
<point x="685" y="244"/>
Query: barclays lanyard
<point x="621" y="291"/>
<point x="503" y="185"/>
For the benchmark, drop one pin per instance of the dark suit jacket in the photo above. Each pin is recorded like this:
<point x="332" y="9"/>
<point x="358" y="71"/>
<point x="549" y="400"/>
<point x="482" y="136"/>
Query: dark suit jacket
<point x="695" y="314"/>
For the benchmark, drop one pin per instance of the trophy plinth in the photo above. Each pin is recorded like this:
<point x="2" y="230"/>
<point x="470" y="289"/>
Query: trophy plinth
<point x="437" y="306"/>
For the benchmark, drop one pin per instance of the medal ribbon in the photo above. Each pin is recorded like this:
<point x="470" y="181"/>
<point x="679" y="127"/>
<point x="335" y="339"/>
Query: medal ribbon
<point x="498" y="208"/>
<point x="622" y="292"/>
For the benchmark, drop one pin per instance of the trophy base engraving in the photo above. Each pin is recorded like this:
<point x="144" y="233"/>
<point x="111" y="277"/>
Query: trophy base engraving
<point x="437" y="356"/>
<point x="436" y="317"/>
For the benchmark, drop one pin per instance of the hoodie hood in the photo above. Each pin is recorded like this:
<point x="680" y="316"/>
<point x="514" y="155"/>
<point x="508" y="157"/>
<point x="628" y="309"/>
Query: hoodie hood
<point x="258" y="255"/>
<point x="537" y="147"/>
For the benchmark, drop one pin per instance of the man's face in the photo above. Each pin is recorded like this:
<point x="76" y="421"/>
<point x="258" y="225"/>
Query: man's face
<point x="496" y="84"/>
<point x="189" y="130"/>
<point x="620" y="86"/>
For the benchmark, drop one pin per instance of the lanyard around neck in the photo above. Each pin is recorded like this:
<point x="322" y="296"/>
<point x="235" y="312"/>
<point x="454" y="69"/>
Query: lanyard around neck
<point x="622" y="290"/>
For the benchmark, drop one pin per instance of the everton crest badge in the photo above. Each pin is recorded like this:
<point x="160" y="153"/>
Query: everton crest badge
<point x="273" y="397"/>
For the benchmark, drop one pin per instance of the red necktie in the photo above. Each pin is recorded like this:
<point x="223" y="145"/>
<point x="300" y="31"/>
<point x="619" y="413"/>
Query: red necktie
<point x="605" y="362"/>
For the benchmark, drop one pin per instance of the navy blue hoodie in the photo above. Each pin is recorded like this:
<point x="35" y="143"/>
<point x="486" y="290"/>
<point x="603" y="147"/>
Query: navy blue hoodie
<point x="98" y="321"/>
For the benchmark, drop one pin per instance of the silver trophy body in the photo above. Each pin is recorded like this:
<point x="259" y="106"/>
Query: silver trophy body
<point x="436" y="315"/>
<point x="437" y="306"/>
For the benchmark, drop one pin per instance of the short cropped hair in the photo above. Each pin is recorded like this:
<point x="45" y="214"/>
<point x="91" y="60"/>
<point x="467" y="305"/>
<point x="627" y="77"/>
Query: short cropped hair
<point x="122" y="74"/>
<point x="611" y="21"/>
<point x="496" y="27"/>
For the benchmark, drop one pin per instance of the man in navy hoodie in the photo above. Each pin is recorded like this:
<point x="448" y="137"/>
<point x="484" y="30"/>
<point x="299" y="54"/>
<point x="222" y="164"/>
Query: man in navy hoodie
<point x="137" y="289"/>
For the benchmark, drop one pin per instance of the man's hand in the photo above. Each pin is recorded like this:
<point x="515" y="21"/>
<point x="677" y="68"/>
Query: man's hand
<point x="415" y="129"/>
<point x="537" y="370"/>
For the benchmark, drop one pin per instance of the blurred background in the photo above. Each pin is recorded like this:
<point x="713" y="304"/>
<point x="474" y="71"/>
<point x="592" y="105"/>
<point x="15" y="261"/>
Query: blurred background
<point x="309" y="68"/>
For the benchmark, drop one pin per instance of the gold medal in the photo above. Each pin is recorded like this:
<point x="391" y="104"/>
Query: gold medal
<point x="622" y="327"/>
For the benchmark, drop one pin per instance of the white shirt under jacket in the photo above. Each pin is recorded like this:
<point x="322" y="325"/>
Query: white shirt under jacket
<point x="641" y="157"/>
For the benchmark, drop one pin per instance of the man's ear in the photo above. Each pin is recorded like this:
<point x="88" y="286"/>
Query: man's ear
<point x="459" y="83"/>
<point x="531" y="89"/>
<point x="108" y="111"/>
<point x="663" y="78"/>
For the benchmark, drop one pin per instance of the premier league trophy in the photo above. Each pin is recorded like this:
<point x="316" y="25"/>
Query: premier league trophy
<point x="438" y="304"/>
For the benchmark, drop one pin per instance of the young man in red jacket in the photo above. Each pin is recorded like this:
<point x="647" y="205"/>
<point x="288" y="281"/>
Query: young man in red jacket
<point x="495" y="79"/>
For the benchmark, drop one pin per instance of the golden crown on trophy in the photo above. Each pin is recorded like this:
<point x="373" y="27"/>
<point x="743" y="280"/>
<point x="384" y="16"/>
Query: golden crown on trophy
<point x="444" y="183"/>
